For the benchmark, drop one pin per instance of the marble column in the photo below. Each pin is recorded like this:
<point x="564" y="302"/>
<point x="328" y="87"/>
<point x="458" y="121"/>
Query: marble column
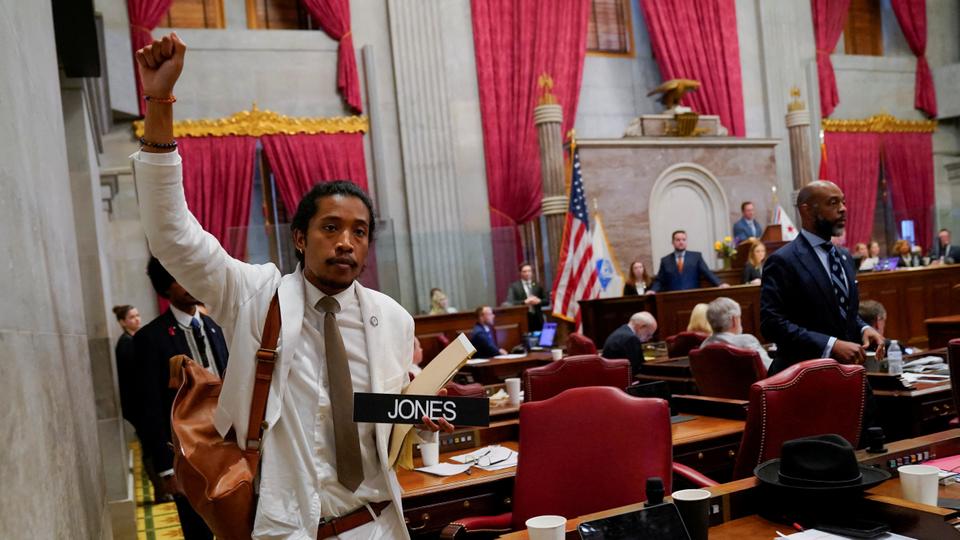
<point x="798" y="126"/>
<point x="548" y="117"/>
<point x="427" y="142"/>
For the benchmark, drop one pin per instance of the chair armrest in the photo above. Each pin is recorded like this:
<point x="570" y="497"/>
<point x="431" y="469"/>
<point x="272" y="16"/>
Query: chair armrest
<point x="692" y="475"/>
<point x="479" y="526"/>
<point x="733" y="409"/>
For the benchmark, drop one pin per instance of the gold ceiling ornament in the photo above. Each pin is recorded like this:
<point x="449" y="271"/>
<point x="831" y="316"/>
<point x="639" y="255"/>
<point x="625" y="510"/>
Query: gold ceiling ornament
<point x="257" y="122"/>
<point x="796" y="104"/>
<point x="880" y="123"/>
<point x="545" y="82"/>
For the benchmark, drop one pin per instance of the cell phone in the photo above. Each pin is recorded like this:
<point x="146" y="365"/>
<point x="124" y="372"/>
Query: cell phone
<point x="856" y="528"/>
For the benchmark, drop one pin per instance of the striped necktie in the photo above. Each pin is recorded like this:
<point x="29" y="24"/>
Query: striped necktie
<point x="837" y="277"/>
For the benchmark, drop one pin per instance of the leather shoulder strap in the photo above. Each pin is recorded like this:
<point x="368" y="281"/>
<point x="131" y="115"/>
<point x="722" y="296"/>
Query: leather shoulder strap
<point x="266" y="360"/>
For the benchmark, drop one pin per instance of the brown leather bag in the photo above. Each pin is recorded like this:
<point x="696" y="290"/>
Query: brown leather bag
<point x="215" y="474"/>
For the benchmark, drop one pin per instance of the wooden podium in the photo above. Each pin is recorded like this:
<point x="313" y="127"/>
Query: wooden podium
<point x="772" y="238"/>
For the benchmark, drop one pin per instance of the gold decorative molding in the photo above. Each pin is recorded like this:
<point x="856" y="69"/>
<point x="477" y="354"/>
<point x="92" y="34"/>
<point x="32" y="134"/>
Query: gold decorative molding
<point x="545" y="82"/>
<point x="880" y="123"/>
<point x="796" y="104"/>
<point x="256" y="122"/>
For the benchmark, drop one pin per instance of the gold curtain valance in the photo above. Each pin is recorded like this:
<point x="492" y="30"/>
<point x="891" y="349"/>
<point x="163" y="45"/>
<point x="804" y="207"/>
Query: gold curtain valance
<point x="256" y="122"/>
<point x="880" y="123"/>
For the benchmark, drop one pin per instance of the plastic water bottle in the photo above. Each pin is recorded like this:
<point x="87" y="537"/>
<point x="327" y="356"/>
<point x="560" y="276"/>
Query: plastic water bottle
<point x="895" y="357"/>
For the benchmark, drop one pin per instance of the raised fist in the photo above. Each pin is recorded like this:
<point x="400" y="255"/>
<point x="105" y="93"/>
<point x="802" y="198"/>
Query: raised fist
<point x="160" y="64"/>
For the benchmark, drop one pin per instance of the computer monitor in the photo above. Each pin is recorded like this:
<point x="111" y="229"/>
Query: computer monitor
<point x="888" y="263"/>
<point x="548" y="334"/>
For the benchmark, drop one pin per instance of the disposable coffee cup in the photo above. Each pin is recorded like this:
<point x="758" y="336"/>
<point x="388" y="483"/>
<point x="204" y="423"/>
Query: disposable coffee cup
<point x="871" y="364"/>
<point x="546" y="527"/>
<point x="694" y="507"/>
<point x="920" y="483"/>
<point x="430" y="449"/>
<point x="513" y="390"/>
<point x="557" y="354"/>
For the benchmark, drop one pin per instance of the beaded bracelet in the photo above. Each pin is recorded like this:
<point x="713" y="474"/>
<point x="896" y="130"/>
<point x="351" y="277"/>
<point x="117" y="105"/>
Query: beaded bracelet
<point x="171" y="99"/>
<point x="165" y="146"/>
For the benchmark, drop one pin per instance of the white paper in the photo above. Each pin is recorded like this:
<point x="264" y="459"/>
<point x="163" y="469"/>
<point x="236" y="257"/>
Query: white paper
<point x="509" y="356"/>
<point x="814" y="534"/>
<point x="475" y="361"/>
<point x="445" y="469"/>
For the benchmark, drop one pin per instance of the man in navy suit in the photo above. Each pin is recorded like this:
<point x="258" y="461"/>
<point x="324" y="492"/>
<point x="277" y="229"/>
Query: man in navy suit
<point x="627" y="341"/>
<point x="943" y="251"/>
<point x="682" y="269"/>
<point x="181" y="329"/>
<point x="746" y="226"/>
<point x="484" y="335"/>
<point x="809" y="298"/>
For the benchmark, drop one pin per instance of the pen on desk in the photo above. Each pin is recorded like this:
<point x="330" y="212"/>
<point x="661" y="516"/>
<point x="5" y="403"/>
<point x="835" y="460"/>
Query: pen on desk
<point x="780" y="534"/>
<point x="797" y="527"/>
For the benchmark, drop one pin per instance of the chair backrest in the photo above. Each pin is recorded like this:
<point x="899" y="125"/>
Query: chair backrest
<point x="953" y="360"/>
<point x="616" y="451"/>
<point x="724" y="371"/>
<point x="544" y="382"/>
<point x="579" y="344"/>
<point x="808" y="398"/>
<point x="465" y="390"/>
<point x="681" y="344"/>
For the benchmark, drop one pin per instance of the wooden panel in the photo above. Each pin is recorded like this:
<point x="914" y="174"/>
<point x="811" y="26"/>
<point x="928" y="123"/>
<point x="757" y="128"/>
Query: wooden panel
<point x="194" y="14"/>
<point x="608" y="28"/>
<point x="277" y="15"/>
<point x="863" y="33"/>
<point x="511" y="325"/>
<point x="941" y="330"/>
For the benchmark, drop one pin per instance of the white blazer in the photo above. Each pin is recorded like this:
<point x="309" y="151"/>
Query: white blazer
<point x="238" y="295"/>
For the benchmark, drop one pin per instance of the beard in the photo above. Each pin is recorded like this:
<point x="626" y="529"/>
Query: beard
<point x="826" y="228"/>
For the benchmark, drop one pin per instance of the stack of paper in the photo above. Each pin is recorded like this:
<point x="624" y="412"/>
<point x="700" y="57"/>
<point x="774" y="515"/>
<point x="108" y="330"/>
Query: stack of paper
<point x="489" y="458"/>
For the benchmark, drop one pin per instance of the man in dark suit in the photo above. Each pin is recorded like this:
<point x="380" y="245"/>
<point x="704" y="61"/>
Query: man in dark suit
<point x="484" y="334"/>
<point x="627" y="341"/>
<point x="682" y="269"/>
<point x="181" y="329"/>
<point x="809" y="298"/>
<point x="943" y="251"/>
<point x="527" y="291"/>
<point x="746" y="226"/>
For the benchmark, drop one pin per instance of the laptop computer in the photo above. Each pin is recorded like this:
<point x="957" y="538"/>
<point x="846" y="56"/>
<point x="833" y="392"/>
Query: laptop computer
<point x="547" y="335"/>
<point x="888" y="263"/>
<point x="658" y="389"/>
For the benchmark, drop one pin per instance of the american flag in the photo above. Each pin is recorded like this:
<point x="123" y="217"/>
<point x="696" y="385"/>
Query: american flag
<point x="576" y="275"/>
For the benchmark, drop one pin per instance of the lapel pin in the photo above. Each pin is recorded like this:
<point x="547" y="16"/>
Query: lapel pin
<point x="374" y="321"/>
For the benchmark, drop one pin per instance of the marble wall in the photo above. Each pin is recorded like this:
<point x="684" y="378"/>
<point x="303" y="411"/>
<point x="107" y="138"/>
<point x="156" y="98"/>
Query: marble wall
<point x="51" y="465"/>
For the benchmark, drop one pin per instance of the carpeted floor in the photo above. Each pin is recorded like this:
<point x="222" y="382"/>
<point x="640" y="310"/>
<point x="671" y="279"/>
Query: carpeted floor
<point x="154" y="521"/>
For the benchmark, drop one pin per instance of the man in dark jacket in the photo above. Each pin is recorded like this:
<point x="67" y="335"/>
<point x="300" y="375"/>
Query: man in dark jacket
<point x="627" y="341"/>
<point x="484" y="334"/>
<point x="530" y="293"/>
<point x="181" y="329"/>
<point x="682" y="269"/>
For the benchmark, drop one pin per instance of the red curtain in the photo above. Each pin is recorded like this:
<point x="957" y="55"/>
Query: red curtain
<point x="217" y="181"/>
<point x="334" y="17"/>
<point x="912" y="15"/>
<point x="697" y="39"/>
<point x="908" y="168"/>
<point x="829" y="16"/>
<point x="144" y="16"/>
<point x="853" y="163"/>
<point x="515" y="41"/>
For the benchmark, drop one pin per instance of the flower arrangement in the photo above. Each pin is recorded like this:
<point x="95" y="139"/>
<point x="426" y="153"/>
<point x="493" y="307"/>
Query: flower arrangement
<point x="725" y="248"/>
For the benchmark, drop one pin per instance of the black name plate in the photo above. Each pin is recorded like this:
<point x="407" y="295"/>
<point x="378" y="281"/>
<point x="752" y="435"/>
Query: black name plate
<point x="408" y="409"/>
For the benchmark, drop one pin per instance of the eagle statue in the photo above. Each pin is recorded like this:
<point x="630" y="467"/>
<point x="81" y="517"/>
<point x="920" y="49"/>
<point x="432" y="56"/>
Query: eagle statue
<point x="673" y="90"/>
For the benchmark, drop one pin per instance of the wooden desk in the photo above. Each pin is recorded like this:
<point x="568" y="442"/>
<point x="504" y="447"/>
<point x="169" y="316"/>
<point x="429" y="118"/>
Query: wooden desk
<point x="927" y="408"/>
<point x="496" y="370"/>
<point x="940" y="330"/>
<point x="430" y="502"/>
<point x="910" y="296"/>
<point x="511" y="325"/>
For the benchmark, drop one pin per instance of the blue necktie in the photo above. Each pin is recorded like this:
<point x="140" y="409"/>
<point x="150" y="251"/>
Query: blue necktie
<point x="198" y="339"/>
<point x="836" y="277"/>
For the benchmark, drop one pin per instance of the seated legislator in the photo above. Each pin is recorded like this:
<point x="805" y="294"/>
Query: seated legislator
<point x="637" y="280"/>
<point x="698" y="320"/>
<point x="943" y="252"/>
<point x="626" y="341"/>
<point x="859" y="254"/>
<point x="484" y="335"/>
<point x="873" y="257"/>
<point x="746" y="227"/>
<point x="682" y="269"/>
<point x="753" y="271"/>
<point x="901" y="248"/>
<point x="725" y="319"/>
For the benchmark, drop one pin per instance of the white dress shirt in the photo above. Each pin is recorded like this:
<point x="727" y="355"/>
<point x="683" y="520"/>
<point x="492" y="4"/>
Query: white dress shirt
<point x="296" y="498"/>
<point x="183" y="319"/>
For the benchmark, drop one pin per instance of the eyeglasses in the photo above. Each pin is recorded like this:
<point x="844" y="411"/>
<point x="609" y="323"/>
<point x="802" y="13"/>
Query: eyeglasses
<point x="486" y="460"/>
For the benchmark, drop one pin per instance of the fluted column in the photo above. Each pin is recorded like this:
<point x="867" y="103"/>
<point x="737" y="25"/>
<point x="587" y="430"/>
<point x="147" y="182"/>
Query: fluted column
<point x="548" y="118"/>
<point x="427" y="142"/>
<point x="798" y="126"/>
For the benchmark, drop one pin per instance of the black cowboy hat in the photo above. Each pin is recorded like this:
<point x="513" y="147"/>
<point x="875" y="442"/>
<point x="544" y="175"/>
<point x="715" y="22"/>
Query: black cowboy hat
<point x="819" y="465"/>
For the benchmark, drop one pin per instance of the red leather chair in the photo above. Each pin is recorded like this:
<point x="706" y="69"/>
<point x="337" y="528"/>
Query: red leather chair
<point x="465" y="390"/>
<point x="579" y="344"/>
<point x="621" y="448"/>
<point x="953" y="360"/>
<point x="724" y="371"/>
<point x="808" y="398"/>
<point x="681" y="344"/>
<point x="544" y="382"/>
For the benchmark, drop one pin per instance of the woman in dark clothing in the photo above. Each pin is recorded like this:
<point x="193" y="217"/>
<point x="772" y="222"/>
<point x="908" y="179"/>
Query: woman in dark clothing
<point x="753" y="271"/>
<point x="129" y="319"/>
<point x="637" y="280"/>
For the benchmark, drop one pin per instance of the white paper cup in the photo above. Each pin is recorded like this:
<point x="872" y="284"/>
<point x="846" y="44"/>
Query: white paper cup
<point x="546" y="527"/>
<point x="513" y="390"/>
<point x="557" y="354"/>
<point x="920" y="483"/>
<point x="430" y="450"/>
